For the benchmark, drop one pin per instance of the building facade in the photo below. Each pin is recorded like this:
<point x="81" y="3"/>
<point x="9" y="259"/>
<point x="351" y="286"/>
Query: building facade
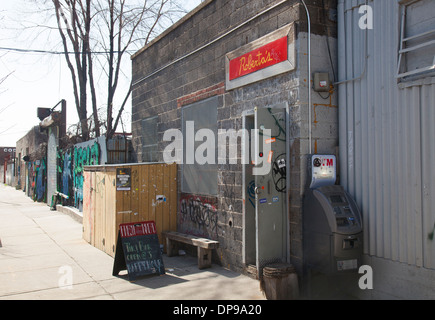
<point x="231" y="67"/>
<point x="7" y="165"/>
<point x="31" y="164"/>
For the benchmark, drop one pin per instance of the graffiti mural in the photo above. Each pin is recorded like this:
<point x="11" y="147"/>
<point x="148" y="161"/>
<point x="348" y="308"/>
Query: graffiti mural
<point x="64" y="176"/>
<point x="83" y="156"/>
<point x="251" y="193"/>
<point x="66" y="173"/>
<point x="199" y="216"/>
<point x="70" y="169"/>
<point x="37" y="180"/>
<point x="41" y="179"/>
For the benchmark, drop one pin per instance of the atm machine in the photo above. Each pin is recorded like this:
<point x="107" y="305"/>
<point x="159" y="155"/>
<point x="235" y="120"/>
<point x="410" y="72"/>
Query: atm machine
<point x="332" y="227"/>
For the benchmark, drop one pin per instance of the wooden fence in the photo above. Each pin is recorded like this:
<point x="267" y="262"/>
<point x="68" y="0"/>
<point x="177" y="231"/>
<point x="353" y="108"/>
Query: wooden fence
<point x="118" y="194"/>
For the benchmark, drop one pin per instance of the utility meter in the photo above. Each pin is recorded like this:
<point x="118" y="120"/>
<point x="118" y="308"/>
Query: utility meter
<point x="321" y="82"/>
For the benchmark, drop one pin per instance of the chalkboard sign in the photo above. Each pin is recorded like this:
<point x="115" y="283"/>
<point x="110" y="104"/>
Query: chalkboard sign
<point x="138" y="250"/>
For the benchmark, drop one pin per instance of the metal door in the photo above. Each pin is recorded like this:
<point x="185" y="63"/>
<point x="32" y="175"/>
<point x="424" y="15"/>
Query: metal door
<point x="270" y="173"/>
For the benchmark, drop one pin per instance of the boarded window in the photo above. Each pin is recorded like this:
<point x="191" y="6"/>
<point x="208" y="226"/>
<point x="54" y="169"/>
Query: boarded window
<point x="149" y="140"/>
<point x="200" y="178"/>
<point x="417" y="45"/>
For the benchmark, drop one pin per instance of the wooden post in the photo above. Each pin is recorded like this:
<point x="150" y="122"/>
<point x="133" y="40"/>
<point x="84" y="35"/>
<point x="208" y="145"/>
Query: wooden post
<point x="204" y="258"/>
<point x="170" y="248"/>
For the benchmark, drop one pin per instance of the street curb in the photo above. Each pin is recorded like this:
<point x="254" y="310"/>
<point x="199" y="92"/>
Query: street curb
<point x="72" y="212"/>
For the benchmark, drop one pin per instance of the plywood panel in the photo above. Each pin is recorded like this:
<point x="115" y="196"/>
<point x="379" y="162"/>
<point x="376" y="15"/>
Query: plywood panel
<point x="173" y="198"/>
<point x="135" y="215"/>
<point x="166" y="210"/>
<point x="93" y="207"/>
<point x="151" y="193"/>
<point x="111" y="226"/>
<point x="119" y="205"/>
<point x="100" y="192"/>
<point x="107" y="208"/>
<point x="97" y="215"/>
<point x="87" y="193"/>
<point x="158" y="205"/>
<point x="144" y="187"/>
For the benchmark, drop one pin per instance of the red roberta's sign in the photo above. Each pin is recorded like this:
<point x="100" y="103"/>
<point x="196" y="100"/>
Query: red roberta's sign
<point x="263" y="57"/>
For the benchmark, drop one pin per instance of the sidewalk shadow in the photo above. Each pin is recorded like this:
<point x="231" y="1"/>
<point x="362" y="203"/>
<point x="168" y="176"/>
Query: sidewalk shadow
<point x="154" y="281"/>
<point x="176" y="270"/>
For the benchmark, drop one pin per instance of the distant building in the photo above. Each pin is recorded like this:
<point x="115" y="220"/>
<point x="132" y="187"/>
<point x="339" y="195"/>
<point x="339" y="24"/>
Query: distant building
<point x="7" y="165"/>
<point x="7" y="153"/>
<point x="31" y="156"/>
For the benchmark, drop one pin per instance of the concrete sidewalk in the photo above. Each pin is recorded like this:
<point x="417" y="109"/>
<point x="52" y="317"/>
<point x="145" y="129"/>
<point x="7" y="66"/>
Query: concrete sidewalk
<point x="43" y="250"/>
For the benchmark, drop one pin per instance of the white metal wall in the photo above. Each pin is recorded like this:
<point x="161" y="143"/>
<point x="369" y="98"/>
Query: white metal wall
<point x="387" y="137"/>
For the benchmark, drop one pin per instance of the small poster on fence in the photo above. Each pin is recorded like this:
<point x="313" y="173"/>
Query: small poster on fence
<point x="123" y="179"/>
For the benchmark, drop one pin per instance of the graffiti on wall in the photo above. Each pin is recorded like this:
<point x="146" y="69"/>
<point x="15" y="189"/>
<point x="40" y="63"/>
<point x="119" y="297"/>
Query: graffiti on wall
<point x="41" y="176"/>
<point x="66" y="173"/>
<point x="64" y="176"/>
<point x="71" y="164"/>
<point x="199" y="216"/>
<point x="38" y="180"/>
<point x="83" y="156"/>
<point x="250" y="191"/>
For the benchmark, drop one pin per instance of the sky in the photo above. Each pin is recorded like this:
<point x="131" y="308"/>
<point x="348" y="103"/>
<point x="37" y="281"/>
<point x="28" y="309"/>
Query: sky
<point x="37" y="80"/>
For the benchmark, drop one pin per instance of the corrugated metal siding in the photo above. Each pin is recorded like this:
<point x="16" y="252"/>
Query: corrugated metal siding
<point x="118" y="151"/>
<point x="387" y="138"/>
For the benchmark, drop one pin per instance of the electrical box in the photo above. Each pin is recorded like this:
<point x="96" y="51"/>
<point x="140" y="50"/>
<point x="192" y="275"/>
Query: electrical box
<point x="322" y="82"/>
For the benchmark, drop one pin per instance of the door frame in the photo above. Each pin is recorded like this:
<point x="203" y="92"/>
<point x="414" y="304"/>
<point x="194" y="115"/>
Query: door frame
<point x="245" y="198"/>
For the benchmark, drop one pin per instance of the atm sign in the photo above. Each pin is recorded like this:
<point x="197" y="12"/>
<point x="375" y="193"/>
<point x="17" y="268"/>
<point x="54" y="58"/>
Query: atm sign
<point x="323" y="162"/>
<point x="328" y="162"/>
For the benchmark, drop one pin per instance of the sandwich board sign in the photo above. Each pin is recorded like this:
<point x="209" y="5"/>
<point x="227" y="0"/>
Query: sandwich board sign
<point x="138" y="250"/>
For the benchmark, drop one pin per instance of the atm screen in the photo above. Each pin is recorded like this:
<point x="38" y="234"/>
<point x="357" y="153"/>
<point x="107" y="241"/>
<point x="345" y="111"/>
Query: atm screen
<point x="336" y="199"/>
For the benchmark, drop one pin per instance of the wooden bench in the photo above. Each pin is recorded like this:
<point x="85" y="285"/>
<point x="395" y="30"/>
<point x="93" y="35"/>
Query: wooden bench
<point x="205" y="246"/>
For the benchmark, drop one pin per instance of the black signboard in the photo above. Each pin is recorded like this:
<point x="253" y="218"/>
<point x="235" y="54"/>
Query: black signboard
<point x="138" y="250"/>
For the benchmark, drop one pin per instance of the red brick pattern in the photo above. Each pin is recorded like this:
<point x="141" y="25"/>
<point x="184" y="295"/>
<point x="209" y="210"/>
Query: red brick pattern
<point x="212" y="91"/>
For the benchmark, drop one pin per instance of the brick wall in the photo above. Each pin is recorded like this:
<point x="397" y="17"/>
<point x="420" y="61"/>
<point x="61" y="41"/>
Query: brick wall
<point x="216" y="90"/>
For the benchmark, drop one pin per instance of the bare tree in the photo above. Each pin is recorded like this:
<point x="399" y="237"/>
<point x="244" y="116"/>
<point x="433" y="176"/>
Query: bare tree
<point x="2" y="91"/>
<point x="74" y="19"/>
<point x="123" y="22"/>
<point x="101" y="32"/>
<point x="5" y="77"/>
